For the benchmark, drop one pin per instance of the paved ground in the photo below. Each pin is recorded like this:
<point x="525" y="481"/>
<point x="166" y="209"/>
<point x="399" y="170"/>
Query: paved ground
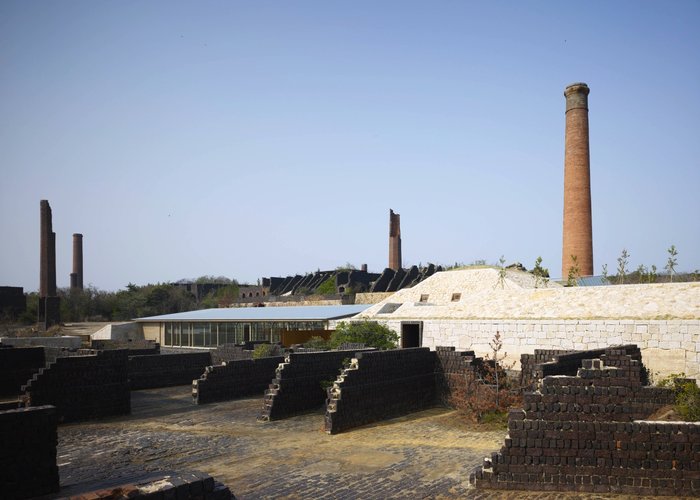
<point x="426" y="455"/>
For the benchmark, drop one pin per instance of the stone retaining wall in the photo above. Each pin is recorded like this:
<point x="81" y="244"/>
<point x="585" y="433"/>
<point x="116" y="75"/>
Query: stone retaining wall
<point x="28" y="452"/>
<point x="235" y="379"/>
<point x="165" y="370"/>
<point x="584" y="433"/>
<point x="668" y="346"/>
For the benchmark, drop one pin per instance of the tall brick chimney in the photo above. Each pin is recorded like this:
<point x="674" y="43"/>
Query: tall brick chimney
<point x="394" y="240"/>
<point x="76" y="277"/>
<point x="49" y="302"/>
<point x="578" y="230"/>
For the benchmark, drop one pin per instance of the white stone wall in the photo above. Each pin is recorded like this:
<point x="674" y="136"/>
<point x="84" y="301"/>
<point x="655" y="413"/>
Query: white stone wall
<point x="668" y="346"/>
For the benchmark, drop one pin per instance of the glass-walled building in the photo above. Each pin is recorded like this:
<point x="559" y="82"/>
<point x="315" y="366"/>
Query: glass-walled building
<point x="212" y="327"/>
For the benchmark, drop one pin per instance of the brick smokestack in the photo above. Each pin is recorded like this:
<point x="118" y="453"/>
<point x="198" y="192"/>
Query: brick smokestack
<point x="394" y="241"/>
<point x="578" y="230"/>
<point x="76" y="282"/>
<point x="45" y="231"/>
<point x="49" y="303"/>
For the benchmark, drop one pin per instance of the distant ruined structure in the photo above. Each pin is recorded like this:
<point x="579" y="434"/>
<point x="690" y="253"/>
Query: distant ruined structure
<point x="76" y="277"/>
<point x="49" y="302"/>
<point x="394" y="241"/>
<point x="578" y="232"/>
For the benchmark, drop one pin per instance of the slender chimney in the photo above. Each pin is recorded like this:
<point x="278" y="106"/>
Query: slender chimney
<point x="77" y="282"/>
<point x="394" y="241"/>
<point x="578" y="231"/>
<point x="45" y="231"/>
<point x="49" y="303"/>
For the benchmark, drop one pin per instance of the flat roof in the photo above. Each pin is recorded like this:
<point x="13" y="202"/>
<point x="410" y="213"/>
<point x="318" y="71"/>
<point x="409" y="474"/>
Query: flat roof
<point x="278" y="313"/>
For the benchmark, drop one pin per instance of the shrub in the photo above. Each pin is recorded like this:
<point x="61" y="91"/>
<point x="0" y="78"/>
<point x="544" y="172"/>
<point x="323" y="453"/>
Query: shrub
<point x="370" y="333"/>
<point x="687" y="396"/>
<point x="262" y="351"/>
<point x="317" y="343"/>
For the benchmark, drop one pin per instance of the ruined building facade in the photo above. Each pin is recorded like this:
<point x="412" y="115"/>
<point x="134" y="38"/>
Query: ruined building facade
<point x="578" y="232"/>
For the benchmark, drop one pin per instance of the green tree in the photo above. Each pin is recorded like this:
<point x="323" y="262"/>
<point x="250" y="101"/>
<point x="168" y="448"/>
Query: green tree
<point x="604" y="273"/>
<point x="540" y="273"/>
<point x="652" y="274"/>
<point x="501" y="272"/>
<point x="370" y="333"/>
<point x="327" y="287"/>
<point x="622" y="261"/>
<point x="672" y="261"/>
<point x="574" y="272"/>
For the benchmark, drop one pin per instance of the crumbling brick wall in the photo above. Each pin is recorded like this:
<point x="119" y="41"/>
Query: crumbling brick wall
<point x="136" y="347"/>
<point x="230" y="352"/>
<point x="584" y="433"/>
<point x="235" y="379"/>
<point x="82" y="387"/>
<point x="28" y="452"/>
<point x="17" y="365"/>
<point x="297" y="386"/>
<point x="380" y="385"/>
<point x="165" y="370"/>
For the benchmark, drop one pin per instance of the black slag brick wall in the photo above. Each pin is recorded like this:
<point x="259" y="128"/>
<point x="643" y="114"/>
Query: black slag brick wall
<point x="83" y="387"/>
<point x="297" y="386"/>
<point x="235" y="379"/>
<point x="17" y="365"/>
<point x="165" y="370"/>
<point x="28" y="452"/>
<point x="583" y="433"/>
<point x="380" y="385"/>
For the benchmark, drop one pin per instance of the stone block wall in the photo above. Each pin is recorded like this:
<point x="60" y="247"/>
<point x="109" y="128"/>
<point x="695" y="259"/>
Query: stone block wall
<point x="165" y="370"/>
<point x="235" y="379"/>
<point x="380" y="385"/>
<point x="230" y="352"/>
<point x="82" y="387"/>
<point x="28" y="452"/>
<point x="17" y="365"/>
<point x="297" y="386"/>
<point x="584" y="433"/>
<point x="668" y="346"/>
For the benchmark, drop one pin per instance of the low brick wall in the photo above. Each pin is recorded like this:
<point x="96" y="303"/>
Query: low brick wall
<point x="230" y="352"/>
<point x="585" y="433"/>
<point x="28" y="452"/>
<point x="135" y="347"/>
<point x="235" y="379"/>
<point x="380" y="385"/>
<point x="165" y="370"/>
<point x="83" y="387"/>
<point x="17" y="365"/>
<point x="297" y="386"/>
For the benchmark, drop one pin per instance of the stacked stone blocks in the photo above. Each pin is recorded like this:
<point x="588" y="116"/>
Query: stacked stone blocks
<point x="379" y="385"/>
<point x="28" y="452"/>
<point x="584" y="433"/>
<point x="234" y="379"/>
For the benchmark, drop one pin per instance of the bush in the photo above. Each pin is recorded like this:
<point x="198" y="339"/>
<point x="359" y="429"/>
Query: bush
<point x="370" y="333"/>
<point x="317" y="343"/>
<point x="262" y="351"/>
<point x="687" y="396"/>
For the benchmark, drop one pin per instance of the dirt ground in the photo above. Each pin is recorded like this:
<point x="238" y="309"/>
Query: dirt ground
<point x="428" y="454"/>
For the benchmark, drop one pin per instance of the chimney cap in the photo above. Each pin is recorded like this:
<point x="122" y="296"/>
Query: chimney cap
<point x="576" y="87"/>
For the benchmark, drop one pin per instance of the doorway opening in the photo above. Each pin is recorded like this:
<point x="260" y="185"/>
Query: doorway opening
<point x="411" y="334"/>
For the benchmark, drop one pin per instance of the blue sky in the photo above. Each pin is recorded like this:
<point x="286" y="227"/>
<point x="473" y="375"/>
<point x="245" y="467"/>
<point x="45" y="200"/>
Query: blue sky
<point x="252" y="139"/>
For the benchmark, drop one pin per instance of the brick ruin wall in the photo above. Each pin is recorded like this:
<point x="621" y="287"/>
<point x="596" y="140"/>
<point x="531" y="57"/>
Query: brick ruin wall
<point x="82" y="387"/>
<point x="28" y="452"/>
<point x="585" y="433"/>
<point x="297" y="386"/>
<point x="235" y="379"/>
<point x="380" y="385"/>
<point x="136" y="347"/>
<point x="17" y="365"/>
<point x="165" y="370"/>
<point x="668" y="346"/>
